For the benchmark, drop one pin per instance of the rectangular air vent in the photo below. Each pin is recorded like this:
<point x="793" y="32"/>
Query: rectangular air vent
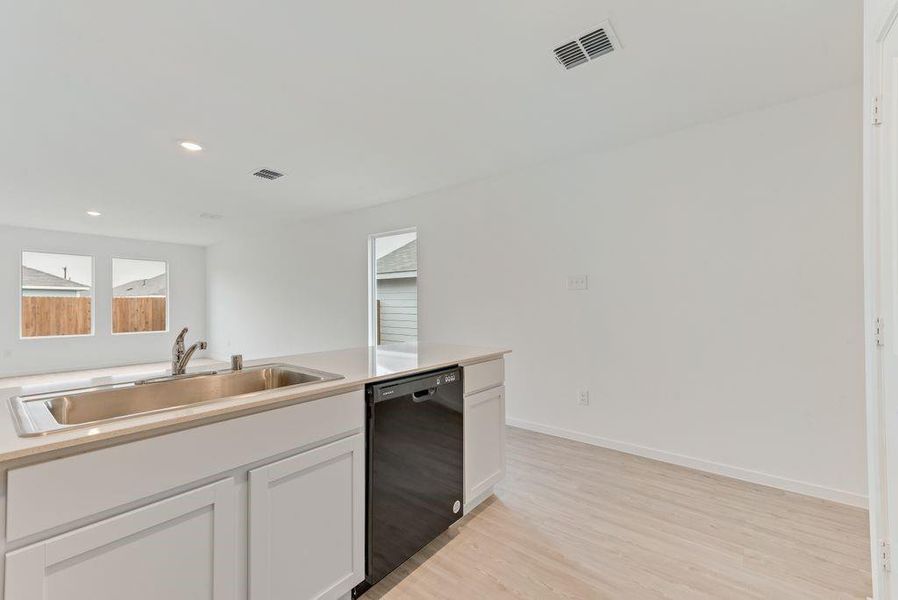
<point x="268" y="174"/>
<point x="570" y="55"/>
<point x="597" y="43"/>
<point x="587" y="47"/>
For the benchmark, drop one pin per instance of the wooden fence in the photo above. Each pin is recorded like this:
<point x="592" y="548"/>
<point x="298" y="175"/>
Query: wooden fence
<point x="50" y="315"/>
<point x="53" y="315"/>
<point x="379" y="325"/>
<point x="133" y="314"/>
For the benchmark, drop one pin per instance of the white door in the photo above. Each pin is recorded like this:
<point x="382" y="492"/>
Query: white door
<point x="885" y="502"/>
<point x="182" y="548"/>
<point x="484" y="443"/>
<point x="307" y="524"/>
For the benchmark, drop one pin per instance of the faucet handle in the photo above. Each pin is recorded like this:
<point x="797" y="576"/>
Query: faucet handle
<point x="236" y="362"/>
<point x="180" y="338"/>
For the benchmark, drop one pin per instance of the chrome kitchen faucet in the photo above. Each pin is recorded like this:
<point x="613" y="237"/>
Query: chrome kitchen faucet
<point x="181" y="356"/>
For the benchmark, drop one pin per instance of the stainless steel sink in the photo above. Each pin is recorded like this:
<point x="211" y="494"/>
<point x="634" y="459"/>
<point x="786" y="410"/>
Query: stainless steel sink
<point x="45" y="413"/>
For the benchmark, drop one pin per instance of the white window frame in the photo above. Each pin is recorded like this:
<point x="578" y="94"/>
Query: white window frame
<point x="93" y="296"/>
<point x="372" y="278"/>
<point x="168" y="302"/>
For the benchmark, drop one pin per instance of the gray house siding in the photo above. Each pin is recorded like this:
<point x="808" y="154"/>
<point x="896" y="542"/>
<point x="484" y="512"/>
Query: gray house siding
<point x="398" y="309"/>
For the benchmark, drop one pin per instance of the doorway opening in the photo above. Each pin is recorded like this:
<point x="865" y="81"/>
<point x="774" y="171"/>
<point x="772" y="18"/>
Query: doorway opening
<point x="393" y="287"/>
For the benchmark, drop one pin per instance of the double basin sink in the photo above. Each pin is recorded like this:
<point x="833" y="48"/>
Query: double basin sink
<point x="39" y="414"/>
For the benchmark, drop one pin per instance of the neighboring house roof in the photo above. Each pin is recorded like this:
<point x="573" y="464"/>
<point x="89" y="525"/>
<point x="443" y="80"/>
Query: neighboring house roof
<point x="401" y="260"/>
<point x="154" y="286"/>
<point x="33" y="279"/>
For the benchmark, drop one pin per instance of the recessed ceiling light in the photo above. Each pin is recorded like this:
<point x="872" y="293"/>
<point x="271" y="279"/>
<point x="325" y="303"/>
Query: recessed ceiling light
<point x="191" y="146"/>
<point x="94" y="213"/>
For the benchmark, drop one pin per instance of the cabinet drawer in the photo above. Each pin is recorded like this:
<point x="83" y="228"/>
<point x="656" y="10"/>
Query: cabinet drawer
<point x="483" y="376"/>
<point x="51" y="494"/>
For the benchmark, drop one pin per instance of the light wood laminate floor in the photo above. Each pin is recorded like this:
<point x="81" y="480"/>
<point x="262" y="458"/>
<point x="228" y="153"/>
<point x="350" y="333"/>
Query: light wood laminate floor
<point x="577" y="521"/>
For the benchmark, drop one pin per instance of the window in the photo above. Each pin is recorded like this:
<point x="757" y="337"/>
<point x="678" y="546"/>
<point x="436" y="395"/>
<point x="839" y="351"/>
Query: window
<point x="57" y="294"/>
<point x="139" y="295"/>
<point x="393" y="285"/>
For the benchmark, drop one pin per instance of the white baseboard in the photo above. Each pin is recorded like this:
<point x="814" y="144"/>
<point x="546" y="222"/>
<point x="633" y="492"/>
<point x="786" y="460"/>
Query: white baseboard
<point x="782" y="483"/>
<point x="477" y="500"/>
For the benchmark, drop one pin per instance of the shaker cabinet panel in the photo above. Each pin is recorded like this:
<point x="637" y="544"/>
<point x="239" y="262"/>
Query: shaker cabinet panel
<point x="307" y="524"/>
<point x="180" y="548"/>
<point x="484" y="442"/>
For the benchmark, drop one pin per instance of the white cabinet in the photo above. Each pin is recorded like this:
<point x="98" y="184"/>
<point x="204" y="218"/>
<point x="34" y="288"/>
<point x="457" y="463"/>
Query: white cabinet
<point x="485" y="375"/>
<point x="484" y="443"/>
<point x="181" y="548"/>
<point x="306" y="516"/>
<point x="307" y="524"/>
<point x="484" y="430"/>
<point x="49" y="495"/>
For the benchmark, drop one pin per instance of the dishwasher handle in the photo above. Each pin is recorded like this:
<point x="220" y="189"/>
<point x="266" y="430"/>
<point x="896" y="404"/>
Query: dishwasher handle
<point x="423" y="395"/>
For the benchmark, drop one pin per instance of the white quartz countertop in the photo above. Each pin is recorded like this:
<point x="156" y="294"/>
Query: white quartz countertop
<point x="358" y="366"/>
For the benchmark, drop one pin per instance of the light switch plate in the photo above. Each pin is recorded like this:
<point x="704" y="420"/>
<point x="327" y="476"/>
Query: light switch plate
<point x="577" y="282"/>
<point x="583" y="397"/>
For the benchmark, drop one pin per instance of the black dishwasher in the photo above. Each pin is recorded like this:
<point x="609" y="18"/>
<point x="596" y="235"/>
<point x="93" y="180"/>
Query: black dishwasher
<point x="415" y="466"/>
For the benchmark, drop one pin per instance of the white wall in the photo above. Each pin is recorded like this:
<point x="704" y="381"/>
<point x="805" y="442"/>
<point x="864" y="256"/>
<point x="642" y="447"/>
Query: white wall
<point x="187" y="302"/>
<point x="723" y="324"/>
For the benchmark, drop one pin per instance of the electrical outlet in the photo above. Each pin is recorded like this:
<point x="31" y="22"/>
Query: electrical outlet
<point x="577" y="282"/>
<point x="583" y="397"/>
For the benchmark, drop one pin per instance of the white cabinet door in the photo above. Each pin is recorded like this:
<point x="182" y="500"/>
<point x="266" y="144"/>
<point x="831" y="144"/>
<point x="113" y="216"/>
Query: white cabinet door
<point x="484" y="443"/>
<point x="181" y="548"/>
<point x="307" y="524"/>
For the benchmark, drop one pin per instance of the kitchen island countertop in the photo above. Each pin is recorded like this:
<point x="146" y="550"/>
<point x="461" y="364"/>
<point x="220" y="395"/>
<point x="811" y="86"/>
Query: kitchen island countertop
<point x="358" y="366"/>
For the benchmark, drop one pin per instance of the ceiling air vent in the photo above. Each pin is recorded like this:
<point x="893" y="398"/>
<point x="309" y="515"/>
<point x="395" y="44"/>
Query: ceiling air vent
<point x="268" y="174"/>
<point x="588" y="47"/>
<point x="570" y="55"/>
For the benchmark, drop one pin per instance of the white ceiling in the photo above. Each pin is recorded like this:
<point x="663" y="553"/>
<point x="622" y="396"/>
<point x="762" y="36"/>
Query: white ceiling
<point x="361" y="102"/>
